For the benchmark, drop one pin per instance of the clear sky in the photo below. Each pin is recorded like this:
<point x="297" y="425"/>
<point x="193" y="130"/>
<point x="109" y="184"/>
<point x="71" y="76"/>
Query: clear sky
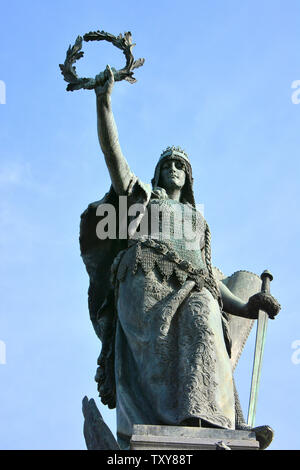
<point x="217" y="81"/>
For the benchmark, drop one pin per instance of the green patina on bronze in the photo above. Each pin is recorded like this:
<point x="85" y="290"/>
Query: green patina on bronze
<point x="172" y="327"/>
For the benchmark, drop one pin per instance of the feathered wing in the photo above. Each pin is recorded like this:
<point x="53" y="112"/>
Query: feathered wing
<point x="98" y="256"/>
<point x="243" y="284"/>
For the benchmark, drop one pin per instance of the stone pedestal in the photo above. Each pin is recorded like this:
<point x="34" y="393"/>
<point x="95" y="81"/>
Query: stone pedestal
<point x="148" y="437"/>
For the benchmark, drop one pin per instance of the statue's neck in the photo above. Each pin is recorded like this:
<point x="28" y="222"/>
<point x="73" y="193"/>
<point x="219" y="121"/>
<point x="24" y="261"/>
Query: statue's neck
<point x="174" y="194"/>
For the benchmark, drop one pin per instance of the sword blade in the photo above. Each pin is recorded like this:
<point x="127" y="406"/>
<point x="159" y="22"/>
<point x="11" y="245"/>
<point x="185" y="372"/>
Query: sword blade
<point x="261" y="332"/>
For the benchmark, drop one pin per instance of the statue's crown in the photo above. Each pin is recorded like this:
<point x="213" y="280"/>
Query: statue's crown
<point x="174" y="151"/>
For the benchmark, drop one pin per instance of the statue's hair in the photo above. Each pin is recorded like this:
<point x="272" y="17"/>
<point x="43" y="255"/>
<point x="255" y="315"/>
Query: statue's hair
<point x="214" y="285"/>
<point x="207" y="254"/>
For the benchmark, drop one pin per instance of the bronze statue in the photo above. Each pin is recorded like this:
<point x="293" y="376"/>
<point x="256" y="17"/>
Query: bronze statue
<point x="160" y="309"/>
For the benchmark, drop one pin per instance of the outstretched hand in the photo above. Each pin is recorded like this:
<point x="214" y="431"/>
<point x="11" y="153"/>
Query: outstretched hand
<point x="106" y="89"/>
<point x="262" y="301"/>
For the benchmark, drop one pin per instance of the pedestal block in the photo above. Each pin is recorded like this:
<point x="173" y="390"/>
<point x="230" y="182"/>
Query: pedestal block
<point x="149" y="437"/>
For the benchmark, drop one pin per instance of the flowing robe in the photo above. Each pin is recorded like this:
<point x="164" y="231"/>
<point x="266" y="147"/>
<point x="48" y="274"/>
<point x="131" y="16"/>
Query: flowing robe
<point x="171" y="361"/>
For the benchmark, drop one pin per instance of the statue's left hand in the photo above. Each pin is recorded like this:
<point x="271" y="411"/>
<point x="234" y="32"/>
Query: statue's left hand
<point x="262" y="301"/>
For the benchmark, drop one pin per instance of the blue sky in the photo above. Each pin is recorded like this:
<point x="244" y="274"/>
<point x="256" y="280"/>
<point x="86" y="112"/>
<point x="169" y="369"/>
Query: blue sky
<point x="216" y="81"/>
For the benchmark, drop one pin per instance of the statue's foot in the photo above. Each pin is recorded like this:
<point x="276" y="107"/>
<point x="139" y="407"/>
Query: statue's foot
<point x="264" y="434"/>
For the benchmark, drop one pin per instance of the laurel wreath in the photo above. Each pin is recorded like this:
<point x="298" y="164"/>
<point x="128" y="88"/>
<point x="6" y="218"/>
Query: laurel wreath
<point x="75" y="53"/>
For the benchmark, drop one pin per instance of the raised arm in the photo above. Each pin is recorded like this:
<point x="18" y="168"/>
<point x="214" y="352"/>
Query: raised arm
<point x="117" y="165"/>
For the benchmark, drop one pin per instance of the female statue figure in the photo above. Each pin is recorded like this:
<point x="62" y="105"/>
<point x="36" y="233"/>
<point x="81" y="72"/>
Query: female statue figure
<point x="153" y="300"/>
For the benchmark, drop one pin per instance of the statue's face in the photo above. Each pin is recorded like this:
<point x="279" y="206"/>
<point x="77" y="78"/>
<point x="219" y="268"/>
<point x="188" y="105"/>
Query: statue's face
<point x="172" y="174"/>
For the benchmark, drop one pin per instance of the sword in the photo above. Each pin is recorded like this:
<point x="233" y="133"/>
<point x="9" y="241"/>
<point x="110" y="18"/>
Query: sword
<point x="261" y="332"/>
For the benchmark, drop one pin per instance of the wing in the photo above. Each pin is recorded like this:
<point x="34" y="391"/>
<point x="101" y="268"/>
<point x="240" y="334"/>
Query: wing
<point x="243" y="284"/>
<point x="98" y="256"/>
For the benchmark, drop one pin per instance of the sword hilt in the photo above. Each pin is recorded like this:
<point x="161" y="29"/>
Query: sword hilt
<point x="266" y="278"/>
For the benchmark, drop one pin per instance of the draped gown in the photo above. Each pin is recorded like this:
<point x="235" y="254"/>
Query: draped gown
<point x="171" y="359"/>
